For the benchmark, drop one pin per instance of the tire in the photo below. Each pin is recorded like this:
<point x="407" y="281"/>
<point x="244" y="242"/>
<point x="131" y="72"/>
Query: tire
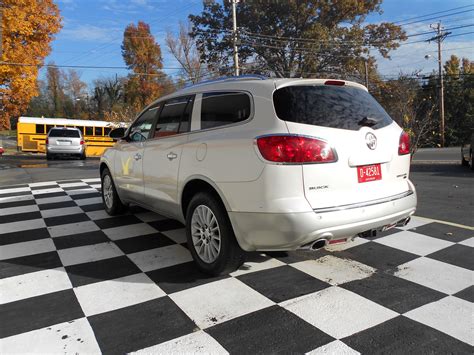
<point x="49" y="156"/>
<point x="112" y="204"/>
<point x="464" y="162"/>
<point x="83" y="156"/>
<point x="213" y="256"/>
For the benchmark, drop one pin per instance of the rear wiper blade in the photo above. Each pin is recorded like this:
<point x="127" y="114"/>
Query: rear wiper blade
<point x="367" y="122"/>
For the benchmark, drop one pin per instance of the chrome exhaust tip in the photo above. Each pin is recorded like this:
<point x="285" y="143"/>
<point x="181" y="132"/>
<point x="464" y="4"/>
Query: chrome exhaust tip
<point x="319" y="244"/>
<point x="403" y="222"/>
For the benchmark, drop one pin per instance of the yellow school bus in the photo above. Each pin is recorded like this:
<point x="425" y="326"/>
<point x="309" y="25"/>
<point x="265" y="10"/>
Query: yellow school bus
<point x="32" y="131"/>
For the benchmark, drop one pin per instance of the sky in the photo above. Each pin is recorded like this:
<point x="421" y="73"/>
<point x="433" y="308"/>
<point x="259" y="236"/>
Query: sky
<point x="93" y="29"/>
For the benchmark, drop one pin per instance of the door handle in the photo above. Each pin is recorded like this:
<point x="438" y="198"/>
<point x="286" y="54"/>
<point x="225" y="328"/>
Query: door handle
<point x="137" y="156"/>
<point x="172" y="156"/>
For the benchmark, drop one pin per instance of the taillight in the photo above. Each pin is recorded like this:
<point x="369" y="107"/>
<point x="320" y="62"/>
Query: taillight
<point x="404" y="144"/>
<point x="47" y="141"/>
<point x="82" y="142"/>
<point x="295" y="149"/>
<point x="335" y="82"/>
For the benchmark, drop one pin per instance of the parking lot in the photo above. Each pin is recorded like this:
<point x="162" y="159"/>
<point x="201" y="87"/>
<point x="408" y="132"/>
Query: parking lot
<point x="75" y="280"/>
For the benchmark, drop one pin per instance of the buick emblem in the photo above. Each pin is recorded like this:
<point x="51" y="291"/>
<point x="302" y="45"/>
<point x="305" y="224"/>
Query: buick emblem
<point x="371" y="140"/>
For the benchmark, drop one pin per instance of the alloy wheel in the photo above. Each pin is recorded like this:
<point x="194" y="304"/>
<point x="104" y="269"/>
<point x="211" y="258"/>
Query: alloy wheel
<point x="205" y="234"/>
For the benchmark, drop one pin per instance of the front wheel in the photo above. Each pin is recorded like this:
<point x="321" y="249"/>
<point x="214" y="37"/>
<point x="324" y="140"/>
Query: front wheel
<point x="210" y="236"/>
<point x="110" y="198"/>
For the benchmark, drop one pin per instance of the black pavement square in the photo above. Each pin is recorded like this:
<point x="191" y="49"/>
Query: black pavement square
<point x="166" y="224"/>
<point x="50" y="194"/>
<point x="270" y="330"/>
<point x="93" y="207"/>
<point x="24" y="236"/>
<point x="467" y="294"/>
<point x="144" y="242"/>
<point x="445" y="232"/>
<point x="402" y="335"/>
<point x="71" y="188"/>
<point x="81" y="239"/>
<point x="18" y="217"/>
<point x="181" y="277"/>
<point x="38" y="312"/>
<point x="117" y="221"/>
<point x="17" y="203"/>
<point x="70" y="218"/>
<point x="393" y="292"/>
<point x="107" y="269"/>
<point x="45" y="187"/>
<point x="6" y="187"/>
<point x="282" y="283"/>
<point x="379" y="256"/>
<point x="31" y="263"/>
<point x="56" y="205"/>
<point x="146" y="324"/>
<point x="14" y="194"/>
<point x="85" y="195"/>
<point x="457" y="254"/>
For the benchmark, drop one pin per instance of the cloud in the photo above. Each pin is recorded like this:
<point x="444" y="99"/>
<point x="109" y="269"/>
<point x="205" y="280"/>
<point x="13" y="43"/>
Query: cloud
<point x="89" y="33"/>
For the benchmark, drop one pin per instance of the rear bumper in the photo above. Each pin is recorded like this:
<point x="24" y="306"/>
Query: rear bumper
<point x="65" y="149"/>
<point x="289" y="231"/>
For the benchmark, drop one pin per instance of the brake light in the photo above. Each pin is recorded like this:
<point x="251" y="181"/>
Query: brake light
<point x="82" y="142"/>
<point x="335" y="82"/>
<point x="47" y="141"/>
<point x="404" y="144"/>
<point x="295" y="149"/>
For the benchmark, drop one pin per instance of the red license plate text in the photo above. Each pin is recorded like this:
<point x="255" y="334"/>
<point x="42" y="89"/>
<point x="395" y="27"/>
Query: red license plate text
<point x="368" y="173"/>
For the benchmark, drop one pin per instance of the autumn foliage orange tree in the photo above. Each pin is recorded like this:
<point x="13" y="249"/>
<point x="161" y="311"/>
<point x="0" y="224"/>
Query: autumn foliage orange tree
<point x="142" y="55"/>
<point x="28" y="27"/>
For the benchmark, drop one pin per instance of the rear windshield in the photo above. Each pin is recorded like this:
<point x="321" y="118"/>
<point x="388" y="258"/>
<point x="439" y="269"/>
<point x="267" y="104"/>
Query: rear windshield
<point x="69" y="133"/>
<point x="330" y="106"/>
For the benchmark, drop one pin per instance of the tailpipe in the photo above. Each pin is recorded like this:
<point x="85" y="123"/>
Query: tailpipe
<point x="403" y="222"/>
<point x="318" y="244"/>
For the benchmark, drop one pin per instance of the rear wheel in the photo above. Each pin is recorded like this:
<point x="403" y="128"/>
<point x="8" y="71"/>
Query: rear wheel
<point x="110" y="198"/>
<point x="464" y="162"/>
<point x="83" y="156"/>
<point x="210" y="236"/>
<point x="49" y="156"/>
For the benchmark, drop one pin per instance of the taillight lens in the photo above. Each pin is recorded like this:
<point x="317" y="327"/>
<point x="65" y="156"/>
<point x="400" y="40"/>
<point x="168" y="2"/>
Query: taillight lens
<point x="47" y="141"/>
<point x="295" y="149"/>
<point x="404" y="144"/>
<point x="82" y="142"/>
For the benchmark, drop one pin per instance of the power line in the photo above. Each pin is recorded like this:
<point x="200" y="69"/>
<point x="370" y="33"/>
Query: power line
<point x="433" y="13"/>
<point x="447" y="29"/>
<point x="436" y="17"/>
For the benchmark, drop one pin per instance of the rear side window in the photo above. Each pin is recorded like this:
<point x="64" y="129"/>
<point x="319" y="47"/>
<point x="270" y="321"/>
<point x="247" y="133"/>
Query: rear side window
<point x="65" y="133"/>
<point x="173" y="118"/>
<point x="223" y="108"/>
<point x="330" y="106"/>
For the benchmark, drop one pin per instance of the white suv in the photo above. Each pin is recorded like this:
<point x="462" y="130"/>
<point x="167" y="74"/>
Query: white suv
<point x="250" y="164"/>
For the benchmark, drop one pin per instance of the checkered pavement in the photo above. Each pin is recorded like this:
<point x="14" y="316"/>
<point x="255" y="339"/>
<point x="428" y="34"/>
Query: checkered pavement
<point x="75" y="280"/>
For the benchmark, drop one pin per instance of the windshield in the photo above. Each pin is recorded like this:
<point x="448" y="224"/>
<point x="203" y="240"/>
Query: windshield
<point x="69" y="133"/>
<point x="330" y="106"/>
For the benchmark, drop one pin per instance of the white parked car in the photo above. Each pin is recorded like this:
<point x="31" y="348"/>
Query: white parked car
<point x="250" y="164"/>
<point x="65" y="141"/>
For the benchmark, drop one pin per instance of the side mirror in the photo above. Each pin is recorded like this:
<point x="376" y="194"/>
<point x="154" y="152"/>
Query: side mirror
<point x="117" y="133"/>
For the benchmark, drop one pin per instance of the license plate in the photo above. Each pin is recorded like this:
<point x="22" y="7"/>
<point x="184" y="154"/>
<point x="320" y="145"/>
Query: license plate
<point x="368" y="173"/>
<point x="64" y="142"/>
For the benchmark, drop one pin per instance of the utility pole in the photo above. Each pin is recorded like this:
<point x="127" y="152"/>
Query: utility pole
<point x="234" y="37"/>
<point x="439" y="38"/>
<point x="366" y="73"/>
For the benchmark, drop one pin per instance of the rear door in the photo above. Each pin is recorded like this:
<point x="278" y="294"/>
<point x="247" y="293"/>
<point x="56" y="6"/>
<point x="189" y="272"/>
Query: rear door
<point x="129" y="156"/>
<point x="364" y="137"/>
<point x="163" y="155"/>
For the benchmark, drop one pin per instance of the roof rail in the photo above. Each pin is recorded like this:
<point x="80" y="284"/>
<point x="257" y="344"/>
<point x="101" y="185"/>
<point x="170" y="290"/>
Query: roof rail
<point x="230" y="78"/>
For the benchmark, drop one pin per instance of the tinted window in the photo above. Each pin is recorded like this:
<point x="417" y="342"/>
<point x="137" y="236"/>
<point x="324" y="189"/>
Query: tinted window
<point x="98" y="131"/>
<point x="330" y="106"/>
<point x="48" y="127"/>
<point x="172" y="120"/>
<point x="40" y="128"/>
<point x="81" y="129"/>
<point x="224" y="108"/>
<point x="64" y="133"/>
<point x="89" y="131"/>
<point x="140" y="129"/>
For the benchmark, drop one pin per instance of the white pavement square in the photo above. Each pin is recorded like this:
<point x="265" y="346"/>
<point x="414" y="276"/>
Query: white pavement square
<point x="88" y="253"/>
<point x="159" y="258"/>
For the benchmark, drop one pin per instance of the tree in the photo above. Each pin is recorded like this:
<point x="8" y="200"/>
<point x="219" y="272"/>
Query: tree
<point x="183" y="48"/>
<point x="28" y="28"/>
<point x="55" y="89"/>
<point x="76" y="91"/>
<point x="292" y="38"/>
<point x="142" y="55"/>
<point x="114" y="91"/>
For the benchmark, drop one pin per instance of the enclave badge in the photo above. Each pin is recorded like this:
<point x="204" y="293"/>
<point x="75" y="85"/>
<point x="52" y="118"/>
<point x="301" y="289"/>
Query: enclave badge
<point x="371" y="140"/>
